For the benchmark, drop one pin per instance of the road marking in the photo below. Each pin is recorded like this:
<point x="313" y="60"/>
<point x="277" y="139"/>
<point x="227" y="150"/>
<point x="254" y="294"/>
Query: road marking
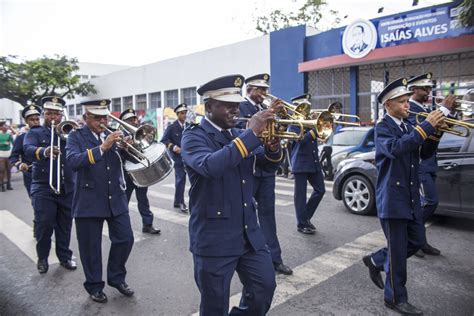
<point x="21" y="235"/>
<point x="321" y="268"/>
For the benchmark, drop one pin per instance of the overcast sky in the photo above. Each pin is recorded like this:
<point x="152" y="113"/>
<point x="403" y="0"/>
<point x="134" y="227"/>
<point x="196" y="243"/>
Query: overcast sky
<point x="138" y="32"/>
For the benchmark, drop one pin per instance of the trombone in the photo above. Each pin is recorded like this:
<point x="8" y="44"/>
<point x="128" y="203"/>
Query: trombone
<point x="467" y="126"/>
<point x="143" y="136"/>
<point x="62" y="130"/>
<point x="335" y="109"/>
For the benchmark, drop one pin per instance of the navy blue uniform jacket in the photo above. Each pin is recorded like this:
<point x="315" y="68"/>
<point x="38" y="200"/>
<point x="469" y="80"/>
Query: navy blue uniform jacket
<point x="397" y="158"/>
<point x="304" y="154"/>
<point x="97" y="191"/>
<point x="430" y="164"/>
<point x="223" y="215"/>
<point x="18" y="155"/>
<point x="34" y="146"/>
<point x="171" y="137"/>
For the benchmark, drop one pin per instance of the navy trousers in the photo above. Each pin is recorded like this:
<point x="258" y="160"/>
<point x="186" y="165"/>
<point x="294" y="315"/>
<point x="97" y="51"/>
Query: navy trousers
<point x="142" y="200"/>
<point x="52" y="214"/>
<point x="214" y="274"/>
<point x="404" y="238"/>
<point x="89" y="237"/>
<point x="305" y="210"/>
<point x="265" y="197"/>
<point x="429" y="195"/>
<point x="27" y="182"/>
<point x="179" y="183"/>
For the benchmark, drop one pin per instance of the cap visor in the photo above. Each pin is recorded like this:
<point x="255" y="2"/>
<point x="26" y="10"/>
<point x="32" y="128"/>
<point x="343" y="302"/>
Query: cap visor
<point x="230" y="98"/>
<point x="261" y="85"/>
<point x="53" y="107"/>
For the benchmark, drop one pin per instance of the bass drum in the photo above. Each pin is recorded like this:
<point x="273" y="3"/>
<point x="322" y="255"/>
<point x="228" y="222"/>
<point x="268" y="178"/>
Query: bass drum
<point x="161" y="164"/>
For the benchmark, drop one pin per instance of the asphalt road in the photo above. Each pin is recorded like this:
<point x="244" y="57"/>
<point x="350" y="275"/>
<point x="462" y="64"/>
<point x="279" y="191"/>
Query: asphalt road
<point x="329" y="277"/>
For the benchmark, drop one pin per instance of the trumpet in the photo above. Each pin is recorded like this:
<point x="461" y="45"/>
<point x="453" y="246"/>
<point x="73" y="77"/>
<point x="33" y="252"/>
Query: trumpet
<point x="335" y="109"/>
<point x="467" y="126"/>
<point x="298" y="112"/>
<point x="143" y="136"/>
<point x="277" y="129"/>
<point x="62" y="130"/>
<point x="463" y="103"/>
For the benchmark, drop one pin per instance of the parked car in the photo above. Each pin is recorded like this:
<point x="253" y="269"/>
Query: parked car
<point x="355" y="178"/>
<point x="348" y="142"/>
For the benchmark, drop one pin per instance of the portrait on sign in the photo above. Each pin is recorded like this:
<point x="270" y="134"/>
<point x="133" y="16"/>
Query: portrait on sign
<point x="359" y="38"/>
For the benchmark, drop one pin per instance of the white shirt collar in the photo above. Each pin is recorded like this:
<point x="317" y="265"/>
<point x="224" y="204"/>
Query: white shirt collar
<point x="398" y="121"/>
<point x="220" y="129"/>
<point x="250" y="100"/>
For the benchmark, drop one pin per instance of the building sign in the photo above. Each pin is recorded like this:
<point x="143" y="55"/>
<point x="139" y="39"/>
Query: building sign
<point x="359" y="38"/>
<point x="420" y="26"/>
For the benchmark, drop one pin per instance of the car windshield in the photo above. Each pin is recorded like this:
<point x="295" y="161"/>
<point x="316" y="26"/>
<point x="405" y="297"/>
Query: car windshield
<point x="348" y="138"/>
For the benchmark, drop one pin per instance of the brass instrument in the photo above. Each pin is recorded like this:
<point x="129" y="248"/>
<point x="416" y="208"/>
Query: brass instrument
<point x="143" y="136"/>
<point x="274" y="129"/>
<point x="298" y="112"/>
<point x="62" y="130"/>
<point x="467" y="126"/>
<point x="463" y="103"/>
<point x="335" y="109"/>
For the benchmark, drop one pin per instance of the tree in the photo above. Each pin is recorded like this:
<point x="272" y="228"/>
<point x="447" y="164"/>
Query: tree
<point x="467" y="14"/>
<point x="310" y="13"/>
<point x="26" y="82"/>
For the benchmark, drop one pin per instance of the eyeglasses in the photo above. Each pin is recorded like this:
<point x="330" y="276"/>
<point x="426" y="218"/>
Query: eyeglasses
<point x="98" y="117"/>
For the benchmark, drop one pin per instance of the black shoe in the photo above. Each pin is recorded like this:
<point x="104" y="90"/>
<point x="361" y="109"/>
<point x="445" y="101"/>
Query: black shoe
<point x="373" y="272"/>
<point x="420" y="253"/>
<point x="310" y="225"/>
<point x="306" y="230"/>
<point x="404" y="308"/>
<point x="430" y="250"/>
<point x="123" y="288"/>
<point x="99" y="297"/>
<point x="69" y="265"/>
<point x="42" y="266"/>
<point x="183" y="207"/>
<point x="2" y="188"/>
<point x="283" y="269"/>
<point x="149" y="229"/>
<point x="9" y="186"/>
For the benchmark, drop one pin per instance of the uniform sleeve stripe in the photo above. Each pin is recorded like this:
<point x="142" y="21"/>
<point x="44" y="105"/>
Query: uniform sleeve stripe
<point x="37" y="153"/>
<point x="239" y="148"/>
<point x="421" y="132"/>
<point x="91" y="156"/>
<point x="246" y="153"/>
<point x="275" y="160"/>
<point x="313" y="134"/>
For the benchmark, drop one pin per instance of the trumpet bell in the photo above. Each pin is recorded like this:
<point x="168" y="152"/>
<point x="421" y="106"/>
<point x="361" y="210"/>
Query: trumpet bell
<point x="64" y="128"/>
<point x="145" y="136"/>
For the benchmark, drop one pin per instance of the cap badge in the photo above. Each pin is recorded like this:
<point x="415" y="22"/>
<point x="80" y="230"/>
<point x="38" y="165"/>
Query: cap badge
<point x="130" y="110"/>
<point x="429" y="75"/>
<point x="238" y="82"/>
<point x="55" y="100"/>
<point x="265" y="77"/>
<point x="32" y="107"/>
<point x="404" y="81"/>
<point x="103" y="102"/>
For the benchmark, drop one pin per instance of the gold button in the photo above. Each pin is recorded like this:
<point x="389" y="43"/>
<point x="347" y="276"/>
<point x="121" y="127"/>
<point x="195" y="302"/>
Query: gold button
<point x="110" y="197"/>
<point x="218" y="213"/>
<point x="398" y="183"/>
<point x="246" y="226"/>
<point x="245" y="204"/>
<point x="243" y="181"/>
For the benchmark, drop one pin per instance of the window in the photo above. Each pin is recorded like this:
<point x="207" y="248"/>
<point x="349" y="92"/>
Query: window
<point x="72" y="112"/>
<point x="348" y="138"/>
<point x="171" y="98"/>
<point x="116" y="105"/>
<point x="155" y="100"/>
<point x="451" y="143"/>
<point x="127" y="102"/>
<point x="189" y="95"/>
<point x="140" y="101"/>
<point x="78" y="109"/>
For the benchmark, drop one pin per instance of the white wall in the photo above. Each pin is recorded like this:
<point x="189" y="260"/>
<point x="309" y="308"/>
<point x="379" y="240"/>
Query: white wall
<point x="247" y="58"/>
<point x="10" y="111"/>
<point x="95" y="69"/>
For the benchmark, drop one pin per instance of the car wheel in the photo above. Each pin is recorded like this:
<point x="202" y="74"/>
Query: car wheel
<point x="358" y="195"/>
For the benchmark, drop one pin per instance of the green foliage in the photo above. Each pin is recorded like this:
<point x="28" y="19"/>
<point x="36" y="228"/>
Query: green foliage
<point x="310" y="13"/>
<point x="28" y="81"/>
<point x="467" y="15"/>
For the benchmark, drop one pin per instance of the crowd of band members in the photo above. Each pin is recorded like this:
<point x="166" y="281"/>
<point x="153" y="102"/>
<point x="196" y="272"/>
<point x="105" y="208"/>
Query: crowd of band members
<point x="232" y="225"/>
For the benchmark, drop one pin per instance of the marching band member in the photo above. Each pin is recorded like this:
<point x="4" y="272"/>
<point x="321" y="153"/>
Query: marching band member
<point x="31" y="115"/>
<point x="224" y="233"/>
<point x="52" y="211"/>
<point x="421" y="87"/>
<point x="130" y="117"/>
<point x="100" y="196"/>
<point x="399" y="147"/>
<point x="172" y="139"/>
<point x="306" y="167"/>
<point x="264" y="189"/>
